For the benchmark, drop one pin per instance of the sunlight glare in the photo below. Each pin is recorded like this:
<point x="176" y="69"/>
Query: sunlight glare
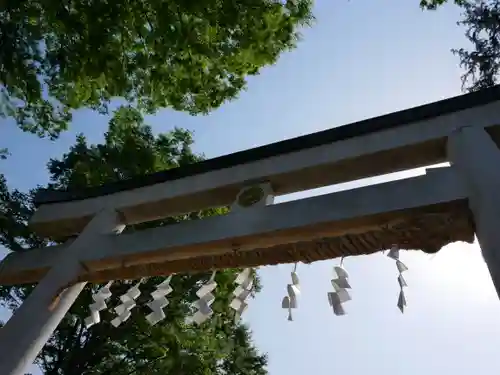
<point x="460" y="268"/>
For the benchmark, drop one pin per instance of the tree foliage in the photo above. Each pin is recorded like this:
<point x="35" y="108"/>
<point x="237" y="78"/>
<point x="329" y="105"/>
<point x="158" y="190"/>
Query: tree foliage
<point x="481" y="61"/>
<point x="191" y="55"/>
<point x="218" y="347"/>
<point x="434" y="4"/>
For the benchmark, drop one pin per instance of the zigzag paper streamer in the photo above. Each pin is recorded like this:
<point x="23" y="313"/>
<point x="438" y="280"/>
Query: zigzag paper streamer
<point x="206" y="298"/>
<point x="159" y="301"/>
<point x="394" y="254"/>
<point x="99" y="304"/>
<point x="293" y="290"/>
<point x="123" y="311"/>
<point x="340" y="294"/>
<point x="242" y="291"/>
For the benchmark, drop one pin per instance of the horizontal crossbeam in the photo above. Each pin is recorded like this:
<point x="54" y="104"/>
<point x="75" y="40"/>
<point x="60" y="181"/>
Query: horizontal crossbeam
<point x="195" y="245"/>
<point x="415" y="138"/>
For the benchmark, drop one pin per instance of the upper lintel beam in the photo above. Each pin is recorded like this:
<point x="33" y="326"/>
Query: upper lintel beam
<point x="408" y="146"/>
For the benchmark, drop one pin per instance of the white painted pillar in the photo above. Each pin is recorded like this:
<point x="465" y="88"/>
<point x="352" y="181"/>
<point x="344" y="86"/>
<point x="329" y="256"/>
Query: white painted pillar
<point x="27" y="331"/>
<point x="477" y="158"/>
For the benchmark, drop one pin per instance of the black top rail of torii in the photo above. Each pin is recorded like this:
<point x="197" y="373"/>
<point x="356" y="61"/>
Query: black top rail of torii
<point x="359" y="128"/>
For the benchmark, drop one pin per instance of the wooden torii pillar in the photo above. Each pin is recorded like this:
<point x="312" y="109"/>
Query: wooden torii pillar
<point x="424" y="212"/>
<point x="476" y="157"/>
<point x="31" y="326"/>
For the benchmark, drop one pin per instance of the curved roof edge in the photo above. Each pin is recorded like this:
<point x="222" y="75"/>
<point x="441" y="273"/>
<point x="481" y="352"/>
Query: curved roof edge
<point x="384" y="122"/>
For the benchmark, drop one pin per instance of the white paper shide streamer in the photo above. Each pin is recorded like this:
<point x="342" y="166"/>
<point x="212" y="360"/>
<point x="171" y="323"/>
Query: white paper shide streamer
<point x="159" y="301"/>
<point x="202" y="305"/>
<point x="242" y="291"/>
<point x="123" y="310"/>
<point x="394" y="254"/>
<point x="99" y="304"/>
<point x="293" y="290"/>
<point x="340" y="285"/>
<point x="244" y="286"/>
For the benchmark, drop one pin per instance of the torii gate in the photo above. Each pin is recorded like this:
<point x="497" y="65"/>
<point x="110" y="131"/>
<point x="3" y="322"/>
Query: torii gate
<point x="426" y="212"/>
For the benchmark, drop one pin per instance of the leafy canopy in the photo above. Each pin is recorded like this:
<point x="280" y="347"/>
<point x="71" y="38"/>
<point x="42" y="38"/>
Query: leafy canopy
<point x="434" y="4"/>
<point x="189" y="55"/>
<point x="481" y="62"/>
<point x="218" y="347"/>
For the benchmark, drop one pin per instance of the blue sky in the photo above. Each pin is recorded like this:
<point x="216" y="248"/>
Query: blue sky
<point x="361" y="59"/>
